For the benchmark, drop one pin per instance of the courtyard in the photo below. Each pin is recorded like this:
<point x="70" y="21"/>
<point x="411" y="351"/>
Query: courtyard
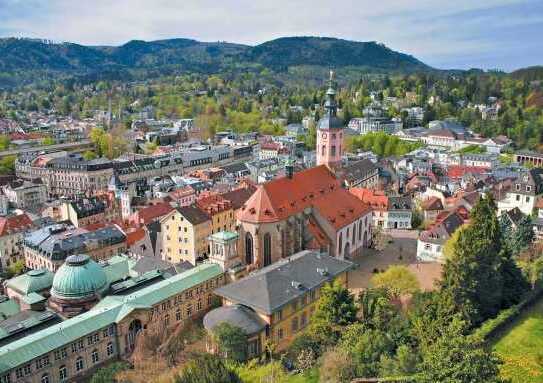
<point x="401" y="250"/>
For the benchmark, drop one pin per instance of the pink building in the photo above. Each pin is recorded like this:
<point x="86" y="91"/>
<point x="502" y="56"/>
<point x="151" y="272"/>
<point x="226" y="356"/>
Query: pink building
<point x="330" y="132"/>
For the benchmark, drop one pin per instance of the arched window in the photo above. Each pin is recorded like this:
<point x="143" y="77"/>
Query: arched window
<point x="249" y="259"/>
<point x="62" y="373"/>
<point x="267" y="249"/>
<point x="333" y="150"/>
<point x="353" y="236"/>
<point x="79" y="364"/>
<point x="323" y="150"/>
<point x="45" y="378"/>
<point x="359" y="230"/>
<point x="340" y="246"/>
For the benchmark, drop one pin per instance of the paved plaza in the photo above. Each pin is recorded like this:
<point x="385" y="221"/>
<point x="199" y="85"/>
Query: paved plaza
<point x="401" y="250"/>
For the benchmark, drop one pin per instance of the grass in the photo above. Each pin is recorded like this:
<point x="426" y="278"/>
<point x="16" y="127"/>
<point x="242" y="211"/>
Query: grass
<point x="521" y="347"/>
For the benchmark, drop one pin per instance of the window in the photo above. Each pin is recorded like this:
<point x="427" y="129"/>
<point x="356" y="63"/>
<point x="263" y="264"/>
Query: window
<point x="178" y="315"/>
<point x="280" y="333"/>
<point x="5" y="379"/>
<point x="518" y="197"/>
<point x="45" y="378"/>
<point x="427" y="246"/>
<point x="79" y="364"/>
<point x="42" y="362"/>
<point x="249" y="249"/>
<point x="94" y="356"/>
<point x="19" y="373"/>
<point x="278" y="315"/>
<point x="80" y="345"/>
<point x="303" y="320"/>
<point x="518" y="186"/>
<point x="267" y="249"/>
<point x="166" y="319"/>
<point x="109" y="349"/>
<point x="323" y="150"/>
<point x="199" y="306"/>
<point x="62" y="373"/>
<point x="527" y="199"/>
<point x="189" y="310"/>
<point x="333" y="150"/>
<point x="294" y="324"/>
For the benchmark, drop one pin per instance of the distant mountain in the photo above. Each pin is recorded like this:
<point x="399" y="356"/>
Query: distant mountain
<point x="529" y="74"/>
<point x="26" y="58"/>
<point x="324" y="51"/>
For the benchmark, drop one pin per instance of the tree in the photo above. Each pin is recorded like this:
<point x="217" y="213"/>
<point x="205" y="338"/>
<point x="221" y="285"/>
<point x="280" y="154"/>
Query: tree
<point x="457" y="358"/>
<point x="336" y="305"/>
<point x="337" y="367"/>
<point x="366" y="347"/>
<point x="16" y="268"/>
<point x="398" y="280"/>
<point x="7" y="165"/>
<point x="46" y="141"/>
<point x="474" y="276"/>
<point x="108" y="373"/>
<point x="517" y="238"/>
<point x="231" y="341"/>
<point x="4" y="142"/>
<point x="89" y="155"/>
<point x="207" y="368"/>
<point x="403" y="363"/>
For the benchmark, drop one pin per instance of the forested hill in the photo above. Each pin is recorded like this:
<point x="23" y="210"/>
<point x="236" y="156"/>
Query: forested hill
<point x="24" y="60"/>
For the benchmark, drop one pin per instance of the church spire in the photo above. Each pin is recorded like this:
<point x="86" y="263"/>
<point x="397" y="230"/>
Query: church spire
<point x="330" y="104"/>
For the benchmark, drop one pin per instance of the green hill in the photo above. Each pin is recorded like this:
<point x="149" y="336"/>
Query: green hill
<point x="27" y="60"/>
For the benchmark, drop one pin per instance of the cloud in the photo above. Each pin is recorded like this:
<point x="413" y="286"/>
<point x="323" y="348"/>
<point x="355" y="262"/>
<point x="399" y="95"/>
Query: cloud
<point x="462" y="33"/>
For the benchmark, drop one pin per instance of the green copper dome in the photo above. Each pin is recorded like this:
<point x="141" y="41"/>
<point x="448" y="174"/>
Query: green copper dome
<point x="79" y="278"/>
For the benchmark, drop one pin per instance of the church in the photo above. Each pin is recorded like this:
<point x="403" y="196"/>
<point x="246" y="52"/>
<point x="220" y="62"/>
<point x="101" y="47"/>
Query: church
<point x="309" y="209"/>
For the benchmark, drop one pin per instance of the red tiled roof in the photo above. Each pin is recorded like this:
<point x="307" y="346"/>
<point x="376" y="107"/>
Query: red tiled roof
<point x="377" y="200"/>
<point x="150" y="213"/>
<point x="213" y="203"/>
<point x="135" y="236"/>
<point x="432" y="203"/>
<point x="14" y="224"/>
<point x="316" y="187"/>
<point x="458" y="171"/>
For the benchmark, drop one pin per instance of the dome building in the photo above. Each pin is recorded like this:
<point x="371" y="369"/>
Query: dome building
<point x="77" y="286"/>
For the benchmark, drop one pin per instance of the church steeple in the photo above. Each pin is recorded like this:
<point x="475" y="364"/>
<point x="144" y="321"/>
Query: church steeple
<point x="330" y="131"/>
<point x="330" y="104"/>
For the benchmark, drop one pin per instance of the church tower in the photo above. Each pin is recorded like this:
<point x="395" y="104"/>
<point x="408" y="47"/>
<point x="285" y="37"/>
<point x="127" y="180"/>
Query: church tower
<point x="330" y="132"/>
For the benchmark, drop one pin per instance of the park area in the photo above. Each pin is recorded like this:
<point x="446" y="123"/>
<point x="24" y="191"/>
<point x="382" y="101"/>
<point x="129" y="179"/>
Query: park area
<point x="521" y="347"/>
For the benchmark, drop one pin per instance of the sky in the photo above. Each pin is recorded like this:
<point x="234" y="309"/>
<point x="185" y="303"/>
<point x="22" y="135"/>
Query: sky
<point x="462" y="34"/>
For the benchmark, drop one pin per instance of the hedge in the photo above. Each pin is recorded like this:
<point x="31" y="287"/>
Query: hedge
<point x="492" y="327"/>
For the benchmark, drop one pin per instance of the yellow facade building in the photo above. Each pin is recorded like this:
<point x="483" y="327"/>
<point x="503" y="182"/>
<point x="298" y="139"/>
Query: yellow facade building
<point x="184" y="232"/>
<point x="276" y="302"/>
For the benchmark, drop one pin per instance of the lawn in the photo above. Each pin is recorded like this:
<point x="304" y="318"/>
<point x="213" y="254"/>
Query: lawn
<point x="521" y="347"/>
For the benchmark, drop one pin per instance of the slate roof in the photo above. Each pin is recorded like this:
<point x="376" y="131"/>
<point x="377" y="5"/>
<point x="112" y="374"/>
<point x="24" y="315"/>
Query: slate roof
<point x="193" y="214"/>
<point x="442" y="230"/>
<point x="275" y="286"/>
<point x="236" y="315"/>
<point x="359" y="170"/>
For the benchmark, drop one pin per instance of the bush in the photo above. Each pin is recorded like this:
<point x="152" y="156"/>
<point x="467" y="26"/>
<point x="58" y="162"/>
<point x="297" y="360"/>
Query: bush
<point x="337" y="367"/>
<point x="108" y="373"/>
